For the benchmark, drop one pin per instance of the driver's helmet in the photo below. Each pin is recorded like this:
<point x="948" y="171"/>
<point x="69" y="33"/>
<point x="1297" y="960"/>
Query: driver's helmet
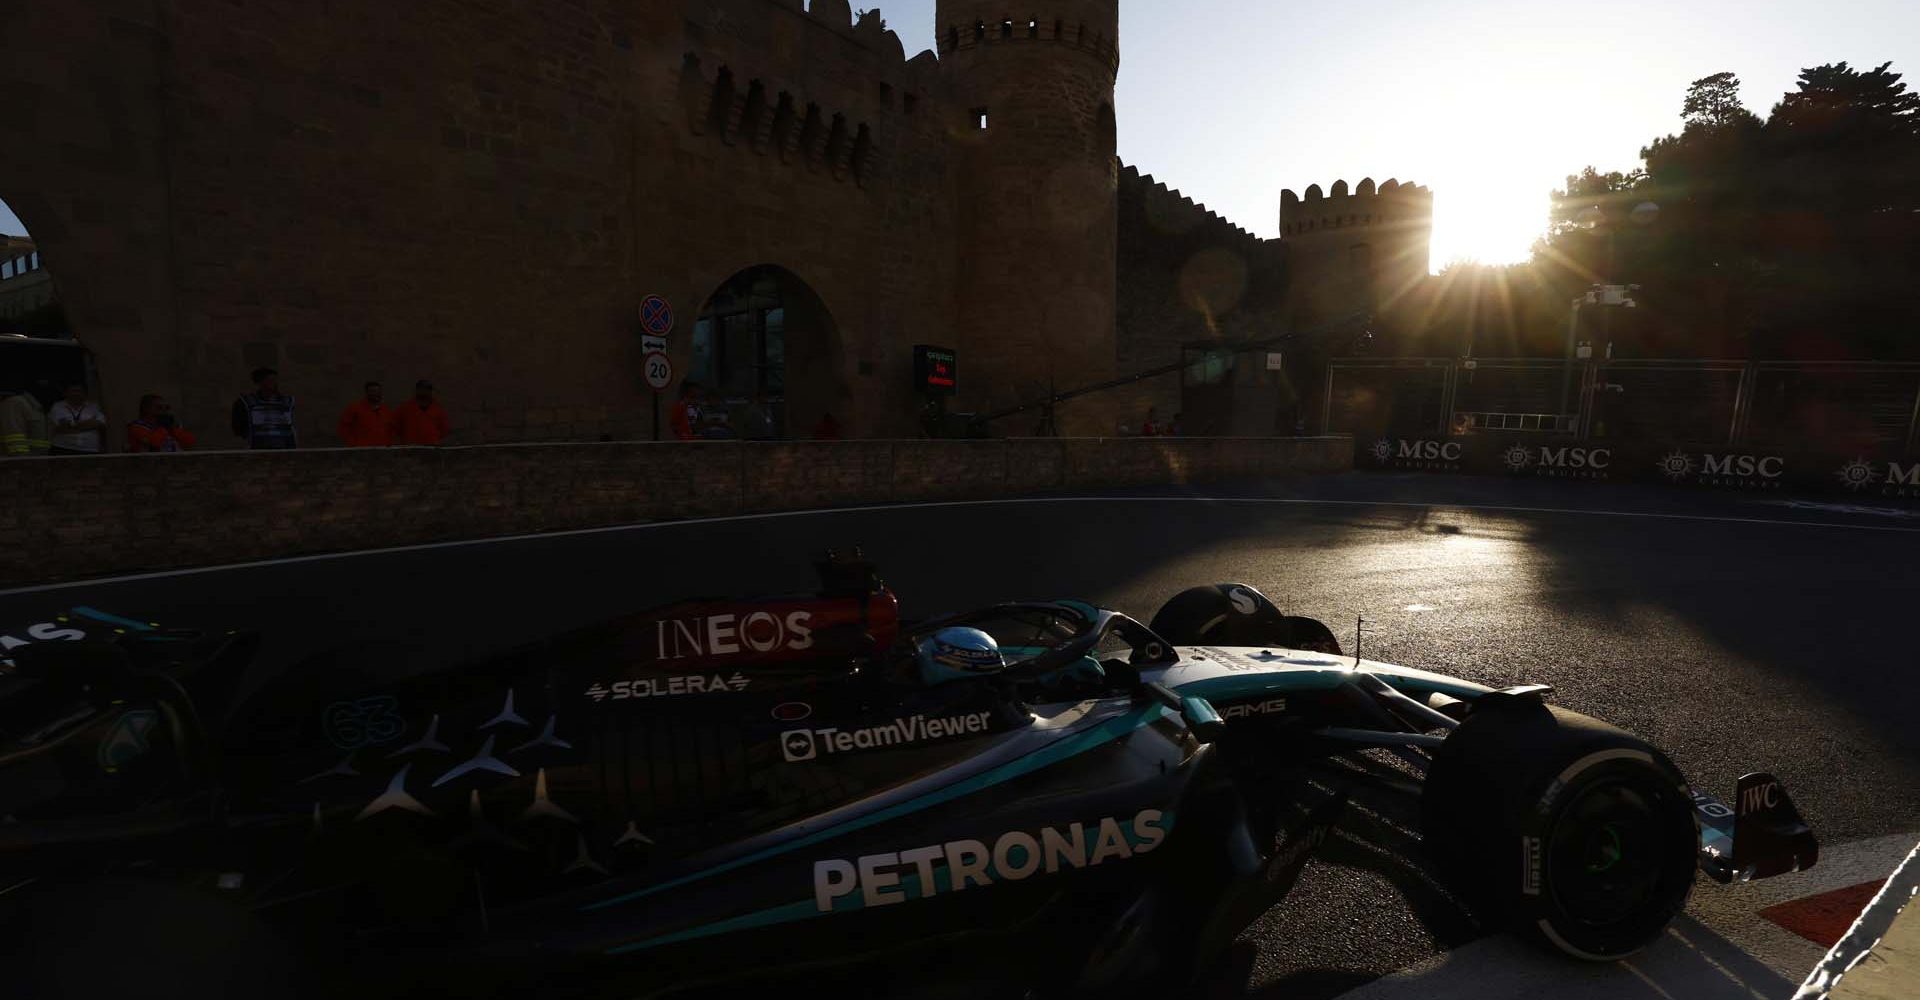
<point x="954" y="654"/>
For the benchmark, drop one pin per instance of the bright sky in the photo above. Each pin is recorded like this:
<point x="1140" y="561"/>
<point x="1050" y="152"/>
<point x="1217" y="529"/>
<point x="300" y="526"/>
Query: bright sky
<point x="1491" y="103"/>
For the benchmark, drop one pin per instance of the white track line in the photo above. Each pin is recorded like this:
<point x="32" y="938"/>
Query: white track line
<point x="1721" y="950"/>
<point x="933" y="505"/>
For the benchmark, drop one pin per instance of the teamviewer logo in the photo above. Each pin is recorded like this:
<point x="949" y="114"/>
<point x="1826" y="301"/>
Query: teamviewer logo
<point x="797" y="745"/>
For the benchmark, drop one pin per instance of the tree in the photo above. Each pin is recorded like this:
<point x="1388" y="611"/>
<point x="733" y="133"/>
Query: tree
<point x="1797" y="236"/>
<point x="1713" y="105"/>
<point x="1837" y="101"/>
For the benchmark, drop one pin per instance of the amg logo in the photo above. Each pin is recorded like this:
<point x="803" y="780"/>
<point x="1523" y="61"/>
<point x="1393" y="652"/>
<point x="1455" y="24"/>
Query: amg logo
<point x="1567" y="457"/>
<point x="727" y="635"/>
<point x="1764" y="466"/>
<point x="1759" y="797"/>
<point x="1013" y="856"/>
<point x="1272" y="706"/>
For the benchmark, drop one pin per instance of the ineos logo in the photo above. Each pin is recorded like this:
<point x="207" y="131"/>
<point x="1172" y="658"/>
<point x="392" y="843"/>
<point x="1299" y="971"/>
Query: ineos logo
<point x="726" y="635"/>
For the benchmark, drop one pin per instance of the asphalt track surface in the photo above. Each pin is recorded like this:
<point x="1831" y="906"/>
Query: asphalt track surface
<point x="1738" y="633"/>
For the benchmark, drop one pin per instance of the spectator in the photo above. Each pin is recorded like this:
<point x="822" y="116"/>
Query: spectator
<point x="685" y="415"/>
<point x="1174" y="428"/>
<point x="366" y="422"/>
<point x="156" y="430"/>
<point x="422" y="421"/>
<point x="828" y="429"/>
<point x="23" y="425"/>
<point x="1150" y="427"/>
<point x="754" y="421"/>
<point x="79" y="428"/>
<point x="264" y="417"/>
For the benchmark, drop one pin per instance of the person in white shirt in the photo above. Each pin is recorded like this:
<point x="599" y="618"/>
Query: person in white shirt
<point x="77" y="424"/>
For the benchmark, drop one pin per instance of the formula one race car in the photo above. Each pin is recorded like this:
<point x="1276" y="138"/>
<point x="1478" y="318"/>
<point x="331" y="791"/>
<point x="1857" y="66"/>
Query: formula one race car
<point x="731" y="794"/>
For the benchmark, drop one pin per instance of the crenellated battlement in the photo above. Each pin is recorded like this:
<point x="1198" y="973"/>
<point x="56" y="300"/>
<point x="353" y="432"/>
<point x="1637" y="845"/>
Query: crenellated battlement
<point x="750" y="114"/>
<point x="1175" y="214"/>
<point x="1391" y="204"/>
<point x="837" y="15"/>
<point x="1009" y="30"/>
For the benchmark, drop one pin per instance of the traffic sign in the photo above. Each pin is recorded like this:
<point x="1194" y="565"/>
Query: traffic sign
<point x="656" y="316"/>
<point x="659" y="370"/>
<point x="650" y="344"/>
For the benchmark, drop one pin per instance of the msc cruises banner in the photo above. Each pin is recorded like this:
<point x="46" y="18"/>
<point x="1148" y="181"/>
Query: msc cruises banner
<point x="1864" y="476"/>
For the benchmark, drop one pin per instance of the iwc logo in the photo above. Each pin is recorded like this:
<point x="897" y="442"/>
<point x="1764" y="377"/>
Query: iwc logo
<point x="1676" y="466"/>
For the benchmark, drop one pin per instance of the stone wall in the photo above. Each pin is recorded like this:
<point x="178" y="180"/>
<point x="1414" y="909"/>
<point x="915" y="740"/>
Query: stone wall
<point x="472" y="192"/>
<point x="147" y="512"/>
<point x="1189" y="278"/>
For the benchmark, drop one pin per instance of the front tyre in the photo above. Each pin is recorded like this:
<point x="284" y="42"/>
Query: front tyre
<point x="1234" y="614"/>
<point x="1573" y="833"/>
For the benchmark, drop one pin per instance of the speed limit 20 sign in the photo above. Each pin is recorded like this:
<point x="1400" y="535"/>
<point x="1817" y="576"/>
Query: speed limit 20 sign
<point x="659" y="370"/>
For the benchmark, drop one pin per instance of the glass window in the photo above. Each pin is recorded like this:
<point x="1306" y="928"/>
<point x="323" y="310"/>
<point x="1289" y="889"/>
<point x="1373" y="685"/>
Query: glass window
<point x="739" y="346"/>
<point x="775" y="359"/>
<point x="1208" y="367"/>
<point x="702" y="371"/>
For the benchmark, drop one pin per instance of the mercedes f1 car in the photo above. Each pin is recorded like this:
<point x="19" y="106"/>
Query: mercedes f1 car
<point x="735" y="793"/>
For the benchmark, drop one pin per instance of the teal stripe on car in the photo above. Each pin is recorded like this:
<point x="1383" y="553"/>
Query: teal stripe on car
<point x="1053" y="753"/>
<point x="101" y="616"/>
<point x="1253" y="685"/>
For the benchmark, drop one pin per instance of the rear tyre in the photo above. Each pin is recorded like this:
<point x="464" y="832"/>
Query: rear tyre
<point x="1234" y="614"/>
<point x="1569" y="831"/>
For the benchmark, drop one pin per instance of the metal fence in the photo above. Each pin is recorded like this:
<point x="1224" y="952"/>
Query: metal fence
<point x="1871" y="406"/>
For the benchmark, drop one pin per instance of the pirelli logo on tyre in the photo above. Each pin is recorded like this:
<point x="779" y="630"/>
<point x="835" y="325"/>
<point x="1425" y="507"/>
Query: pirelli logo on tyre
<point x="1530" y="860"/>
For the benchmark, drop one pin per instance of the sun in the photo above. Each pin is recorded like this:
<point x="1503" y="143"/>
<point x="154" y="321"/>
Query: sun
<point x="1487" y="226"/>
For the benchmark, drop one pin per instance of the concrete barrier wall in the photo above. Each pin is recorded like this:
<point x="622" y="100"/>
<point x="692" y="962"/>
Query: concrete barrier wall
<point x="64" y="518"/>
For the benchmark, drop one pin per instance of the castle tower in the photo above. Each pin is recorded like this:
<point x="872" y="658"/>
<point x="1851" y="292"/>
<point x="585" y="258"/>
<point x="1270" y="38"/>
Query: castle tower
<point x="1364" y="250"/>
<point x="1038" y="237"/>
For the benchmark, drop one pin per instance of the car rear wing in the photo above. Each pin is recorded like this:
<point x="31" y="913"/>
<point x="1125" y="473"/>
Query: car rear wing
<point x="1761" y="835"/>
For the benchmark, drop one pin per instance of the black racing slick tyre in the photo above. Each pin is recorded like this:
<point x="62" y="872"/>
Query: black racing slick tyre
<point x="1234" y="614"/>
<point x="1569" y="831"/>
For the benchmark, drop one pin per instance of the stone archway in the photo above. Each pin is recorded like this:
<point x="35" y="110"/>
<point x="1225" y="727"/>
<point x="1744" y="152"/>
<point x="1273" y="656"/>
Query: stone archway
<point x="29" y="302"/>
<point x="765" y="331"/>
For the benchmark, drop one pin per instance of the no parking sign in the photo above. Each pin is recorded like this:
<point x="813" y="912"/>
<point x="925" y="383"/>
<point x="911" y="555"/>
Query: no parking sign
<point x="656" y="316"/>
